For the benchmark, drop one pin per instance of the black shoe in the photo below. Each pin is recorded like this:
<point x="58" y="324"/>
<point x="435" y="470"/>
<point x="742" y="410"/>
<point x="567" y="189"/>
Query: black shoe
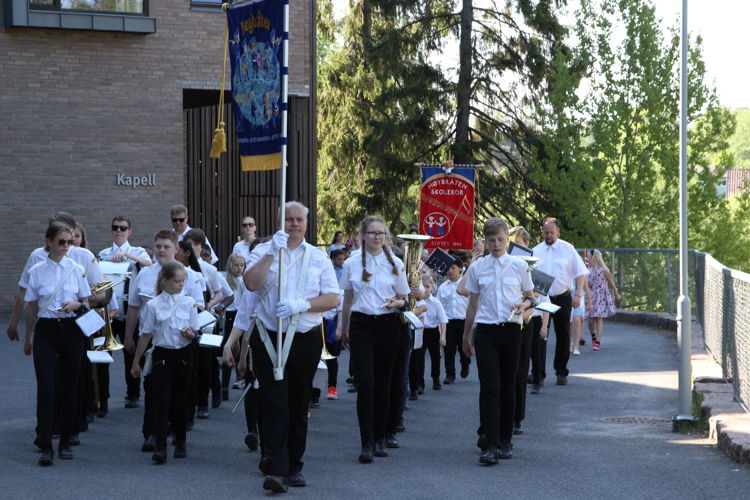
<point x="464" y="371"/>
<point x="436" y="385"/>
<point x="159" y="456"/>
<point x="131" y="403"/>
<point x="274" y="483"/>
<point x="74" y="440"/>
<point x="380" y="448"/>
<point x="352" y="389"/>
<point x="482" y="443"/>
<point x="149" y="444"/>
<point x="413" y="396"/>
<point x="47" y="457"/>
<point x="400" y="426"/>
<point x="562" y="380"/>
<point x="225" y="393"/>
<point x="365" y="456"/>
<point x="350" y="380"/>
<point x="103" y="410"/>
<point x="251" y="441"/>
<point x="536" y="389"/>
<point x="529" y="379"/>
<point x="517" y="429"/>
<point x="65" y="452"/>
<point x="505" y="452"/>
<point x="264" y="465"/>
<point x="489" y="457"/>
<point x="203" y="413"/>
<point x="297" y="480"/>
<point x="38" y="442"/>
<point x="315" y="401"/>
<point x="449" y="380"/>
<point x="215" y="402"/>
<point x="391" y="442"/>
<point x="180" y="450"/>
<point x="581" y="342"/>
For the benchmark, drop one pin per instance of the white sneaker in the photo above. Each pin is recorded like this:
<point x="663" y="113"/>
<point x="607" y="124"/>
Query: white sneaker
<point x="576" y="352"/>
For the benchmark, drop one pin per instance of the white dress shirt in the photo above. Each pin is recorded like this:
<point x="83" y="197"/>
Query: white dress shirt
<point x="500" y="283"/>
<point x="159" y="310"/>
<point x="245" y="310"/>
<point x="243" y="249"/>
<point x="238" y="293"/>
<point x="370" y="295"/>
<point x="80" y="256"/>
<point x="453" y="303"/>
<point x="213" y="279"/>
<point x="320" y="280"/>
<point x="561" y="261"/>
<point x="214" y="258"/>
<point x="108" y="253"/>
<point x="145" y="283"/>
<point x="43" y="279"/>
<point x="435" y="314"/>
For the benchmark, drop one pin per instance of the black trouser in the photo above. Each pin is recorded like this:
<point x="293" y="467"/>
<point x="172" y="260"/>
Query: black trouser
<point x="562" y="332"/>
<point x="85" y="391"/>
<point x="170" y="378"/>
<point x="416" y="369"/>
<point x="374" y="345"/>
<point x="497" y="348"/>
<point x="226" y="370"/>
<point x="333" y="370"/>
<point x="399" y="380"/>
<point x="133" y="384"/>
<point x="431" y="341"/>
<point x="59" y="340"/>
<point x="523" y="370"/>
<point x="454" y="338"/>
<point x="538" y="353"/>
<point x="202" y="375"/>
<point x="285" y="402"/>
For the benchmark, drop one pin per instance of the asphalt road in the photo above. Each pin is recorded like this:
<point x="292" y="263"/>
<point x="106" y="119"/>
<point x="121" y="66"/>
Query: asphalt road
<point x="605" y="435"/>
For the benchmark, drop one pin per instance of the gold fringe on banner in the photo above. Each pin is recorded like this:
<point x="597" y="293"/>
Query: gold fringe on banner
<point x="261" y="162"/>
<point x="219" y="144"/>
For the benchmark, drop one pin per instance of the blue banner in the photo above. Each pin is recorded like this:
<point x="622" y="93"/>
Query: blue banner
<point x="256" y="30"/>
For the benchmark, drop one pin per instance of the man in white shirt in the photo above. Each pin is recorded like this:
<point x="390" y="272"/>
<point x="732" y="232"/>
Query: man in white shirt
<point x="560" y="259"/>
<point x="180" y="226"/>
<point x="310" y="288"/>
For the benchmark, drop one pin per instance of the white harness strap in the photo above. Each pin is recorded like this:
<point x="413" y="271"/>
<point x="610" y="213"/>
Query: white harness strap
<point x="287" y="345"/>
<point x="51" y="298"/>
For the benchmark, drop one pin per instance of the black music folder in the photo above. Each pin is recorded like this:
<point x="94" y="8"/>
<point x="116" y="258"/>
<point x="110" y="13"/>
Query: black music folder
<point x="542" y="281"/>
<point x="440" y="260"/>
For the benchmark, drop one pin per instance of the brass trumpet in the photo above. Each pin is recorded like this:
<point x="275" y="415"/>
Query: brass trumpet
<point x="324" y="354"/>
<point x="413" y="260"/>
<point x="110" y="343"/>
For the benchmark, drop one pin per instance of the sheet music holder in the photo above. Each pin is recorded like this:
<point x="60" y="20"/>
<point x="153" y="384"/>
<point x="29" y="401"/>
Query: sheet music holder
<point x="439" y="261"/>
<point x="99" y="357"/>
<point x="210" y="340"/>
<point x="205" y="319"/>
<point x="542" y="281"/>
<point x="548" y="307"/>
<point x="518" y="250"/>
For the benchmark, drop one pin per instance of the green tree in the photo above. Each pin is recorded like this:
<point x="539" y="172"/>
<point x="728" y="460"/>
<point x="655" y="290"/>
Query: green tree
<point x="740" y="142"/>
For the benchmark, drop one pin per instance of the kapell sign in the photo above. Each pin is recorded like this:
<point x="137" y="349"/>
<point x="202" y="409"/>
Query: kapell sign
<point x="135" y="181"/>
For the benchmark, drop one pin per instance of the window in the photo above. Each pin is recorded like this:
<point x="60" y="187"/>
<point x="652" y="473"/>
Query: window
<point x="206" y="4"/>
<point x="102" y="6"/>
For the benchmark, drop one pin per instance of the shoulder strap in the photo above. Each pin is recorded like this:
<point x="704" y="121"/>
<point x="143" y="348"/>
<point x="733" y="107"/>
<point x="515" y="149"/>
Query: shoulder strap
<point x="276" y="279"/>
<point x="164" y="324"/>
<point x="57" y="289"/>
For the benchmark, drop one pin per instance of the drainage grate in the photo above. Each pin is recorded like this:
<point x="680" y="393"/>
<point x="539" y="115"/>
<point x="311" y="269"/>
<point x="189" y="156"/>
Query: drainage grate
<point x="636" y="420"/>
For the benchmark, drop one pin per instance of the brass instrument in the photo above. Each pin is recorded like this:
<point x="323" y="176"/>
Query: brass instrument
<point x="324" y="354"/>
<point x="110" y="343"/>
<point x="413" y="261"/>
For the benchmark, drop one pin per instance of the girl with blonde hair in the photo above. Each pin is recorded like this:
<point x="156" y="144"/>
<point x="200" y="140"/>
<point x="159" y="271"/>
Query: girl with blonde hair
<point x="602" y="305"/>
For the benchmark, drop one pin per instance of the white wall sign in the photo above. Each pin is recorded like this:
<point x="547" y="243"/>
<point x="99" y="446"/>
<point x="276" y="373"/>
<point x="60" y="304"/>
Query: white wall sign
<point x="135" y="181"/>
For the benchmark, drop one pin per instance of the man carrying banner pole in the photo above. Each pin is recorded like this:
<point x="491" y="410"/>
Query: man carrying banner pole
<point x="297" y="305"/>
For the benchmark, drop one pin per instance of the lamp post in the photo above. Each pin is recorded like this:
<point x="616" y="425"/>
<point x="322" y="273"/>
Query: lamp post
<point x="684" y="316"/>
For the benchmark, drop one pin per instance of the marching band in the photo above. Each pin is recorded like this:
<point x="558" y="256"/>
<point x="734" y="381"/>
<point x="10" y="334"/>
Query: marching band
<point x="371" y="303"/>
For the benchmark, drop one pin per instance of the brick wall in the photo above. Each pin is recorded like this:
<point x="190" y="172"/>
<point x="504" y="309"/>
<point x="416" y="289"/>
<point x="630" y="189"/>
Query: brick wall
<point x="78" y="107"/>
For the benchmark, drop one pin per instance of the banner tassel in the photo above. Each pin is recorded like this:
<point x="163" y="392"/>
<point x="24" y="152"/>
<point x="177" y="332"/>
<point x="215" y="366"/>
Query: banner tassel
<point x="219" y="143"/>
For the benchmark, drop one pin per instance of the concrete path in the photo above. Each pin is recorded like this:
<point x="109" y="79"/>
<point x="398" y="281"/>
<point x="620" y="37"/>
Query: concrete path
<point x="605" y="435"/>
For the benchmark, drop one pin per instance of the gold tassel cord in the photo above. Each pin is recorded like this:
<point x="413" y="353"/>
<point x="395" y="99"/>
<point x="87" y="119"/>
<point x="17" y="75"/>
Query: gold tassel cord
<point x="219" y="143"/>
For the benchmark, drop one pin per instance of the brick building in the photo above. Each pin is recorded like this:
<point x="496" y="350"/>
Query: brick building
<point x="90" y="98"/>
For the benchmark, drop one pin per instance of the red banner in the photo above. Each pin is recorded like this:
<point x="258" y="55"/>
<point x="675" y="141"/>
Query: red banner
<point x="446" y="208"/>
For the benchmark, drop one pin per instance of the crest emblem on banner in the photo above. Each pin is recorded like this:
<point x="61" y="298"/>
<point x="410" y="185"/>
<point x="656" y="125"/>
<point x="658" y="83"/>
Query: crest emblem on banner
<point x="446" y="208"/>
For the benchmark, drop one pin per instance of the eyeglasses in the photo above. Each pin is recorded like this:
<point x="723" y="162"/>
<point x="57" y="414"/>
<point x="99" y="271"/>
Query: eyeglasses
<point x="178" y="219"/>
<point x="246" y="224"/>
<point x="115" y="227"/>
<point x="63" y="243"/>
<point x="373" y="234"/>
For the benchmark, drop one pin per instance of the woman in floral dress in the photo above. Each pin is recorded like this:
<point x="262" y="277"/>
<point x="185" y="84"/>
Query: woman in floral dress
<point x="602" y="305"/>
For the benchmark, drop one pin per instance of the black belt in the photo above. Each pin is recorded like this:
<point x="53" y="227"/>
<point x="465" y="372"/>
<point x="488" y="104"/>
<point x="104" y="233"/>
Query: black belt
<point x="373" y="317"/>
<point x="566" y="292"/>
<point x="56" y="320"/>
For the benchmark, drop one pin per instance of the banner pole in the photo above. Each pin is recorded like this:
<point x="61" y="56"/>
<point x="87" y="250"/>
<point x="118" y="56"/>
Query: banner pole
<point x="278" y="369"/>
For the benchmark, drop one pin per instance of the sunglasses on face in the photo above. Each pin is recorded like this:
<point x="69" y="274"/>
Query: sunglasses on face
<point x="374" y="234"/>
<point x="63" y="243"/>
<point x="248" y="224"/>
<point x="178" y="219"/>
<point x="115" y="227"/>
